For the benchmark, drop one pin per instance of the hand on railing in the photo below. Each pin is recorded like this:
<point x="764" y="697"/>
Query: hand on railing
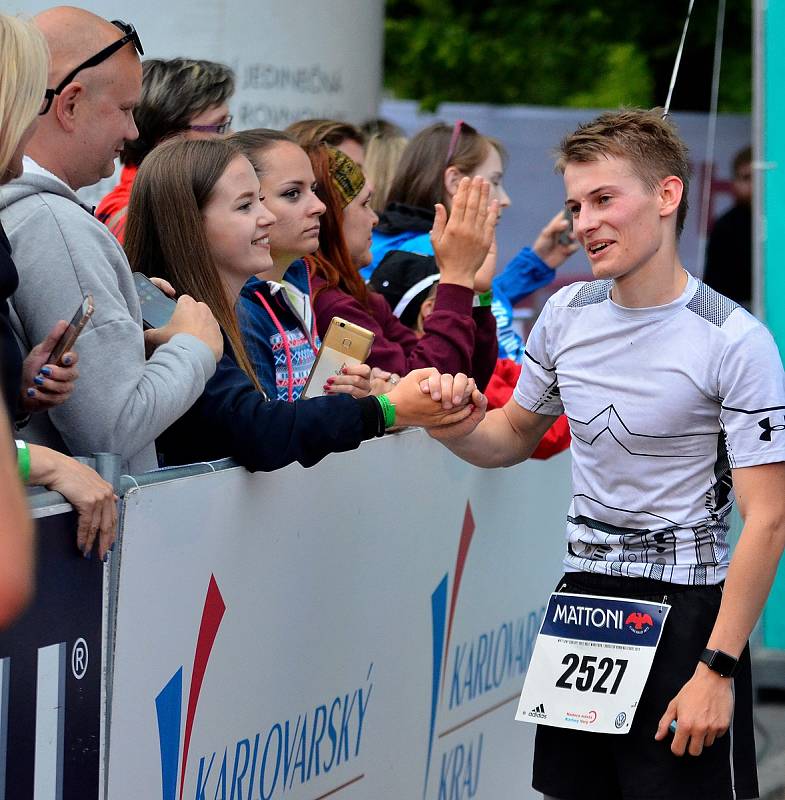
<point x="91" y="496"/>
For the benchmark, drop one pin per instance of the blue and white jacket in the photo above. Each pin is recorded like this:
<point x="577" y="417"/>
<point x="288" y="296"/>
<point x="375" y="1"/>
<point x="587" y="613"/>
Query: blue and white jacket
<point x="282" y="354"/>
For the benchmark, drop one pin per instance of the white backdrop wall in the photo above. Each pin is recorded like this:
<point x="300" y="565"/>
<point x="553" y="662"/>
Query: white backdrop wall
<point x="293" y="60"/>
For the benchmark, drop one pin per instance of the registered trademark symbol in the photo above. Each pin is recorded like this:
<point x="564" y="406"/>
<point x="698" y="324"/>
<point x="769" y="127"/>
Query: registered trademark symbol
<point x="79" y="659"/>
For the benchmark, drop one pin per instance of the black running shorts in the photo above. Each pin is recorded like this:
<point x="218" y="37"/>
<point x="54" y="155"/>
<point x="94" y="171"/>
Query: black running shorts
<point x="578" y="765"/>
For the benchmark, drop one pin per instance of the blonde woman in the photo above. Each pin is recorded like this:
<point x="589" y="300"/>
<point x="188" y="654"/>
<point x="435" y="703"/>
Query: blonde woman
<point x="24" y="65"/>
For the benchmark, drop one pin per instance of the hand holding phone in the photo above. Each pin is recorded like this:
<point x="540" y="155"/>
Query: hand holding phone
<point x="344" y="343"/>
<point x="71" y="334"/>
<point x="554" y="244"/>
<point x="47" y="379"/>
<point x="157" y="308"/>
<point x="191" y="317"/>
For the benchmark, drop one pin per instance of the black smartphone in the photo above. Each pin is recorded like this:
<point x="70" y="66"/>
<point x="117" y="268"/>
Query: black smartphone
<point x="564" y="236"/>
<point x="75" y="327"/>
<point x="157" y="308"/>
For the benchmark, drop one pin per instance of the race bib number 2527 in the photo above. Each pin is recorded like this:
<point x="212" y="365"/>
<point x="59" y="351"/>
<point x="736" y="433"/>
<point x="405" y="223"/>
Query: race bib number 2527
<point x="591" y="661"/>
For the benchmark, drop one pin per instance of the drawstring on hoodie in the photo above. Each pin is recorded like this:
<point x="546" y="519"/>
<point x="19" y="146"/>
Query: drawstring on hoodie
<point x="285" y="339"/>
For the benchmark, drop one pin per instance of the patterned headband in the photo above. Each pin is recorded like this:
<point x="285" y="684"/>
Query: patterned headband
<point x="347" y="177"/>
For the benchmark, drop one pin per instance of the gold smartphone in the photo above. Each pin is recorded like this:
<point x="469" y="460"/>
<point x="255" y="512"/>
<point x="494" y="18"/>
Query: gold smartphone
<point x="75" y="327"/>
<point x="344" y="343"/>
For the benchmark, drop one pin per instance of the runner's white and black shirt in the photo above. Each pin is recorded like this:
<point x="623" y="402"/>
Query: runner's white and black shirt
<point x="662" y="402"/>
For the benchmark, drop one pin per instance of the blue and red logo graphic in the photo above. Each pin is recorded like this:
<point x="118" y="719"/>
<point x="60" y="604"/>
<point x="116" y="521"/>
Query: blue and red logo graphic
<point x="168" y="704"/>
<point x="442" y="626"/>
<point x="639" y="622"/>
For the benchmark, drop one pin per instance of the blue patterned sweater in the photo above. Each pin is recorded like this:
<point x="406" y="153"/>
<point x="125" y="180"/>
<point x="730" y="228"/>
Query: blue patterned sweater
<point x="264" y="342"/>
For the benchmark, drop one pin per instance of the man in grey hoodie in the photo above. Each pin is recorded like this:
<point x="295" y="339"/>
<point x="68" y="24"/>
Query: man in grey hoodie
<point x="122" y="401"/>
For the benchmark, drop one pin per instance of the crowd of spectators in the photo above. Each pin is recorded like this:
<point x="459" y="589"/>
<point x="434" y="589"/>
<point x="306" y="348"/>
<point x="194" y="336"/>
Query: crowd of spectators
<point x="260" y="238"/>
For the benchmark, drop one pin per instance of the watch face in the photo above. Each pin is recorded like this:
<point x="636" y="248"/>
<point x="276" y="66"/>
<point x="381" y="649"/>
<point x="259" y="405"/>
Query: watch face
<point x="722" y="663"/>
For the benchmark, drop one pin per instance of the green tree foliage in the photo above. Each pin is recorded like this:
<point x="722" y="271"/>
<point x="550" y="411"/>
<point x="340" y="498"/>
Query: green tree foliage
<point x="554" y="52"/>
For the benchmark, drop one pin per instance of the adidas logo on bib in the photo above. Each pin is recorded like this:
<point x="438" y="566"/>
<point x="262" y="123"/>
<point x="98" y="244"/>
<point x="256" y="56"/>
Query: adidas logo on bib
<point x="538" y="712"/>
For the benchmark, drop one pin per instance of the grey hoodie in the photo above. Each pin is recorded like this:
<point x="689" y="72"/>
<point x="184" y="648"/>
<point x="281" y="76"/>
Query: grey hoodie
<point x="122" y="402"/>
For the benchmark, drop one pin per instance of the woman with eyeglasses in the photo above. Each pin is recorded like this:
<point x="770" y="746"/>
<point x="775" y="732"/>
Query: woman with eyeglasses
<point x="24" y="64"/>
<point x="197" y="219"/>
<point x="180" y="97"/>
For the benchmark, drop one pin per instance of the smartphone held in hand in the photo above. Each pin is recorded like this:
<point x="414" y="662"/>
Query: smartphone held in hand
<point x="157" y="308"/>
<point x="564" y="237"/>
<point x="75" y="327"/>
<point x="344" y="343"/>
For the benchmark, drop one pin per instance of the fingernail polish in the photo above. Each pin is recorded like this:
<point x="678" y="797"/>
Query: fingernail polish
<point x="105" y="558"/>
<point x="31" y="392"/>
<point x="330" y="380"/>
<point x="38" y="380"/>
<point x="88" y="555"/>
<point x="67" y="361"/>
<point x="46" y="371"/>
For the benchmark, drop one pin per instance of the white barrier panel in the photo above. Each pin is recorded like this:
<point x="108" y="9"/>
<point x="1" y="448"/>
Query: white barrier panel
<point x="360" y="629"/>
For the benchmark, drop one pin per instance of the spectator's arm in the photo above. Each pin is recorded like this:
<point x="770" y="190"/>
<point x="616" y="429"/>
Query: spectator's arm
<point x="524" y="274"/>
<point x="121" y="402"/>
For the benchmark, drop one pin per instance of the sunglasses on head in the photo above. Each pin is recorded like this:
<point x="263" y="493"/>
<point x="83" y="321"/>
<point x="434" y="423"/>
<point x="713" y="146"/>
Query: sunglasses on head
<point x="130" y="35"/>
<point x="456" y="135"/>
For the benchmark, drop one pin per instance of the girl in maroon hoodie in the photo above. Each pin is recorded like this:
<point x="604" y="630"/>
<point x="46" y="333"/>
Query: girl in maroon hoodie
<point x="458" y="337"/>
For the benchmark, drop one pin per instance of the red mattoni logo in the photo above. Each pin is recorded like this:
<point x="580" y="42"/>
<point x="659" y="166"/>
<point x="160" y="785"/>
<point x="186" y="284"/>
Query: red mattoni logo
<point x="168" y="704"/>
<point x="639" y="623"/>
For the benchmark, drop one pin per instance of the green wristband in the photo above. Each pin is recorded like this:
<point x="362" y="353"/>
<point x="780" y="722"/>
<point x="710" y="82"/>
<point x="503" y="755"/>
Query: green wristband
<point x="23" y="460"/>
<point x="485" y="299"/>
<point x="388" y="410"/>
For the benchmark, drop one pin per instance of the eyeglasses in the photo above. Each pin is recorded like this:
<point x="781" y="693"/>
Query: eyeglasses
<point x="456" y="135"/>
<point x="130" y="36"/>
<point x="220" y="128"/>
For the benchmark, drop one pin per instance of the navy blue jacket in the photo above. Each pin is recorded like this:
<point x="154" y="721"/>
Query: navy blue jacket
<point x="232" y="419"/>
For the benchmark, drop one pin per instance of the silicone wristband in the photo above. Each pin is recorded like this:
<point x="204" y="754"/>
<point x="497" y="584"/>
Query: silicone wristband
<point x="388" y="409"/>
<point x="483" y="300"/>
<point x="23" y="460"/>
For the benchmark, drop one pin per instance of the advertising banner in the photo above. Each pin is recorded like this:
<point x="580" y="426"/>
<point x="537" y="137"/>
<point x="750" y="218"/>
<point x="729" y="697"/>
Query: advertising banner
<point x="50" y="675"/>
<point x="359" y="629"/>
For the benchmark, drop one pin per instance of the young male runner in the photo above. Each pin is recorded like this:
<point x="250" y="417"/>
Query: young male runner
<point x="676" y="399"/>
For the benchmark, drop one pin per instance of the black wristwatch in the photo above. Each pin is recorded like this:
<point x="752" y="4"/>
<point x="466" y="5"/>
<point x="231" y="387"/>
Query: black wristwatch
<point x="726" y="665"/>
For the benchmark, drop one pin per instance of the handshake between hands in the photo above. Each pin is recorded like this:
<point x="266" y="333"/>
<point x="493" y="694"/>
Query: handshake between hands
<point x="449" y="406"/>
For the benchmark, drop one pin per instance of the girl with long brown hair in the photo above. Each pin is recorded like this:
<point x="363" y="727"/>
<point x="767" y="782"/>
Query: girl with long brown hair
<point x="197" y="219"/>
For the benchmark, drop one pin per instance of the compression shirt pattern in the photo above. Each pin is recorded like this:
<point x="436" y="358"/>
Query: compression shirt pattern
<point x="662" y="403"/>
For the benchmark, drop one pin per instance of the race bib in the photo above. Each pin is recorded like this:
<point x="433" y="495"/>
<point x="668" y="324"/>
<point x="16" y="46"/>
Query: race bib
<point x="590" y="662"/>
